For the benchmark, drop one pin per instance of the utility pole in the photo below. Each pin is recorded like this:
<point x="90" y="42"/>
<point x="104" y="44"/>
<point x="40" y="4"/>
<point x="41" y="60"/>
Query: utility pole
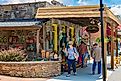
<point x="102" y="40"/>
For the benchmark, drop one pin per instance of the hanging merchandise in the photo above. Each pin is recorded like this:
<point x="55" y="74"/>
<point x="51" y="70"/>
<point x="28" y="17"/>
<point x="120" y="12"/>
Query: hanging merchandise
<point x="1" y="40"/>
<point x="60" y="35"/>
<point x="4" y="39"/>
<point x="21" y="39"/>
<point x="55" y="36"/>
<point x="55" y="56"/>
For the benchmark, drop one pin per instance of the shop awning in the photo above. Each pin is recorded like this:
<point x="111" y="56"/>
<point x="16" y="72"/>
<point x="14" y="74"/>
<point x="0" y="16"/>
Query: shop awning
<point x="22" y="24"/>
<point x="19" y="24"/>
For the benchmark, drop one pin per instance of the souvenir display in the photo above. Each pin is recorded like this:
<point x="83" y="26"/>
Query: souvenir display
<point x="18" y="39"/>
<point x="43" y="53"/>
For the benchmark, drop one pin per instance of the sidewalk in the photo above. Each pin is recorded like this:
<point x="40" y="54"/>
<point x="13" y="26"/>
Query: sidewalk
<point x="7" y="78"/>
<point x="83" y="74"/>
<point x="116" y="75"/>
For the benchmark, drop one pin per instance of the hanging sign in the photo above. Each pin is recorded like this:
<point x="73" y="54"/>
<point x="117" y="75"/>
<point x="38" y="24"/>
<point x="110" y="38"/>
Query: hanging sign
<point x="92" y="29"/>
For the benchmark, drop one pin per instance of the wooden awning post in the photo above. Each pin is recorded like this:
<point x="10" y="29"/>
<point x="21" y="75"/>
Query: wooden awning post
<point x="37" y="42"/>
<point x="112" y="47"/>
<point x="44" y="35"/>
<point x="116" y="41"/>
<point x="67" y="31"/>
<point x="105" y="46"/>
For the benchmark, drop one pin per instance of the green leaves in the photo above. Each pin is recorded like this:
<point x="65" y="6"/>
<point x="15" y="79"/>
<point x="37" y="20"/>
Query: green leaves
<point x="11" y="55"/>
<point x="98" y="40"/>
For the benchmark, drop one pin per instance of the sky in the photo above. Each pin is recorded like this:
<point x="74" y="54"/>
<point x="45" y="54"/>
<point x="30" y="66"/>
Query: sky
<point x="114" y="4"/>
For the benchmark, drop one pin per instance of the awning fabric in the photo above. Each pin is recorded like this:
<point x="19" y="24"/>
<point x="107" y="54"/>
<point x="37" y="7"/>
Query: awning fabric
<point x="21" y="22"/>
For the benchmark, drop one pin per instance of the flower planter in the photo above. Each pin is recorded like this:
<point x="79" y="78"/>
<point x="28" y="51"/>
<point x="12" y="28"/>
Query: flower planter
<point x="35" y="69"/>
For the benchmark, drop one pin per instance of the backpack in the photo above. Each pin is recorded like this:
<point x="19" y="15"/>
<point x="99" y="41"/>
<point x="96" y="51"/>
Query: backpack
<point x="75" y="55"/>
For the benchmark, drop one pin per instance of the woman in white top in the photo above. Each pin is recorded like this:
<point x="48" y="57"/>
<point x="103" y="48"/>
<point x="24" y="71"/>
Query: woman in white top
<point x="72" y="56"/>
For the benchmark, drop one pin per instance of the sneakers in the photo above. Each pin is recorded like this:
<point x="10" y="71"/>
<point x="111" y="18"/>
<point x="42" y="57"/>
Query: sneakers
<point x="75" y="73"/>
<point x="99" y="73"/>
<point x="68" y="75"/>
<point x="93" y="73"/>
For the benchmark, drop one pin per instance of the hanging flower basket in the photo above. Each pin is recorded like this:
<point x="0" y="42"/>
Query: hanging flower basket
<point x="92" y="29"/>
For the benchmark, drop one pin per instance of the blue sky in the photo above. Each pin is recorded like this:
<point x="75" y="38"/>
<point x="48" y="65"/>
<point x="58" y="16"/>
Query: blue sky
<point x="91" y="2"/>
<point x="114" y="4"/>
<point x="71" y="2"/>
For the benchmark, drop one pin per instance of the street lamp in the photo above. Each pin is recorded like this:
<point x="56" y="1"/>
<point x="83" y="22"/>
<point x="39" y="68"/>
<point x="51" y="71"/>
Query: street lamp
<point x="102" y="40"/>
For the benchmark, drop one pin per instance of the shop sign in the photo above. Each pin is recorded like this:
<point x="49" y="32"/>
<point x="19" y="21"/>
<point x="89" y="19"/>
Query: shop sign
<point x="92" y="29"/>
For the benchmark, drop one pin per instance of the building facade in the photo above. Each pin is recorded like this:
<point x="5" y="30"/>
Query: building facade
<point x="24" y="10"/>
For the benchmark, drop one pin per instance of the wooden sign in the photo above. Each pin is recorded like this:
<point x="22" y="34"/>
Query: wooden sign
<point x="92" y="29"/>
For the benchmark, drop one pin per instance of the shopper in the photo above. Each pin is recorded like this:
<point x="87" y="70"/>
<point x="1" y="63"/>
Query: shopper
<point x="96" y="58"/>
<point x="72" y="57"/>
<point x="82" y="51"/>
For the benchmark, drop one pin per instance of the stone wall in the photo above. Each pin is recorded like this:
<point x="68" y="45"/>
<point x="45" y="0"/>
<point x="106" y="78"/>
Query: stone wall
<point x="31" y="69"/>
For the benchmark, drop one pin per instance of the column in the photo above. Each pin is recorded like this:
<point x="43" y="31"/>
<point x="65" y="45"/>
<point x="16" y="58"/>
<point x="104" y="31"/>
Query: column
<point x="116" y="31"/>
<point x="112" y="47"/>
<point x="59" y="25"/>
<point x="37" y="43"/>
<point x="105" y="45"/>
<point x="44" y="35"/>
<point x="67" y="30"/>
<point x="72" y="33"/>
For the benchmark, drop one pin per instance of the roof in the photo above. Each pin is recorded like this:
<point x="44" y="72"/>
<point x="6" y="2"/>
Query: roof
<point x="11" y="24"/>
<point x="20" y="22"/>
<point x="75" y="12"/>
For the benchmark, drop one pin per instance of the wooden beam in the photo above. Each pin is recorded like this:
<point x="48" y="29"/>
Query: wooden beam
<point x="37" y="43"/>
<point x="105" y="45"/>
<point x="44" y="36"/>
<point x="112" y="16"/>
<point x="112" y="47"/>
<point x="116" y="42"/>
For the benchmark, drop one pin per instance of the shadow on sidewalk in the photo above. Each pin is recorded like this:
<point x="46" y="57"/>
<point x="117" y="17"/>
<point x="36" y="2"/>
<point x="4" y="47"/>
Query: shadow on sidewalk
<point x="83" y="74"/>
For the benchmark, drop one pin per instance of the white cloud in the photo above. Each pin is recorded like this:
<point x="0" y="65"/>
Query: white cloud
<point x="26" y="1"/>
<point x="82" y="2"/>
<point x="116" y="9"/>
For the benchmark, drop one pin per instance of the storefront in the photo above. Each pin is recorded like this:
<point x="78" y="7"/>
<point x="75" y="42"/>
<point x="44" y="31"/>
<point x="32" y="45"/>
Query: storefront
<point x="83" y="16"/>
<point x="21" y="33"/>
<point x="47" y="35"/>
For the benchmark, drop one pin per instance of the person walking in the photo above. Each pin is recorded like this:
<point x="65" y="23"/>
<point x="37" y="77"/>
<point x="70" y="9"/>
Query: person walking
<point x="72" y="57"/>
<point x="82" y="52"/>
<point x="96" y="58"/>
